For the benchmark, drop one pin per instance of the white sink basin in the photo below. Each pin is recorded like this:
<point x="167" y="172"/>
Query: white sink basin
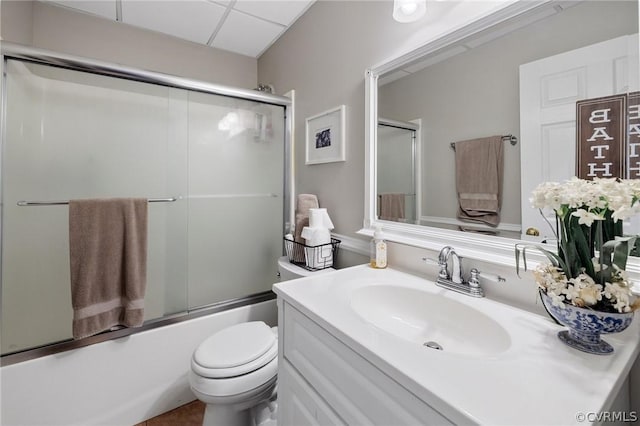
<point x="431" y="320"/>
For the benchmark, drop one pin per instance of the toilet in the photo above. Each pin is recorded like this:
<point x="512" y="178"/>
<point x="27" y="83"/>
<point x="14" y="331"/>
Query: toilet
<point x="234" y="371"/>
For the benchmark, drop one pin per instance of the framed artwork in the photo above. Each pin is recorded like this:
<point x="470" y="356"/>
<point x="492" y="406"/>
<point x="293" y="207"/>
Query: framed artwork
<point x="325" y="141"/>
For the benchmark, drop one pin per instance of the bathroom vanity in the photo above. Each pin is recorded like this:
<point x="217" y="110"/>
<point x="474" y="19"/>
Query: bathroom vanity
<point x="364" y="346"/>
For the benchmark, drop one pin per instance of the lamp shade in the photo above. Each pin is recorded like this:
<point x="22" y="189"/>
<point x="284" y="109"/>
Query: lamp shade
<point x="409" y="10"/>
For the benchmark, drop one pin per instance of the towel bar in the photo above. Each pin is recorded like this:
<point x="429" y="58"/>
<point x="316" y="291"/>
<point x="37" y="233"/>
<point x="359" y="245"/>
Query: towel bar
<point x="406" y="195"/>
<point x="63" y="202"/>
<point x="512" y="140"/>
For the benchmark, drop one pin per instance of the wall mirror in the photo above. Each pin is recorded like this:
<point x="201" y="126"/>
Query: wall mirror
<point x="505" y="75"/>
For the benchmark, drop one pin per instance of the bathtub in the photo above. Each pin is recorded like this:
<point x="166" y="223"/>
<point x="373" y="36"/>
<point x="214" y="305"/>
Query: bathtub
<point x="117" y="382"/>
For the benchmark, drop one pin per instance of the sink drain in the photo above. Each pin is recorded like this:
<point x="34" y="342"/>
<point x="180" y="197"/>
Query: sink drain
<point x="432" y="345"/>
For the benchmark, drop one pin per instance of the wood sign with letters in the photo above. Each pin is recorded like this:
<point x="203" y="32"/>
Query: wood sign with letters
<point x="633" y="146"/>
<point x="601" y="136"/>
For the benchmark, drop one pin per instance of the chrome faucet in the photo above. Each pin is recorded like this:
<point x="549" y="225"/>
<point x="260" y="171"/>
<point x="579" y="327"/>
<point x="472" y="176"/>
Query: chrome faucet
<point x="456" y="266"/>
<point x="454" y="280"/>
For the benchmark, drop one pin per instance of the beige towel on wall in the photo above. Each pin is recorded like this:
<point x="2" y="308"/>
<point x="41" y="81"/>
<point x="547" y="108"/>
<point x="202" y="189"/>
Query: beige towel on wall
<point x="108" y="254"/>
<point x="479" y="171"/>
<point x="392" y="206"/>
<point x="303" y="204"/>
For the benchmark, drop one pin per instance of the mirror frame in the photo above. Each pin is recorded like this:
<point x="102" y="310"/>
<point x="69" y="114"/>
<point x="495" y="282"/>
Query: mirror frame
<point x="492" y="249"/>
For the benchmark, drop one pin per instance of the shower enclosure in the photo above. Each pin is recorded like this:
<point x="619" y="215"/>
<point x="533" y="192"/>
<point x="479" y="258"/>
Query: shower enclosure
<point x="214" y="159"/>
<point x="397" y="168"/>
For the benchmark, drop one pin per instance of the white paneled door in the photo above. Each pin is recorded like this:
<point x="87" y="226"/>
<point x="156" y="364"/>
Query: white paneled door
<point x="549" y="89"/>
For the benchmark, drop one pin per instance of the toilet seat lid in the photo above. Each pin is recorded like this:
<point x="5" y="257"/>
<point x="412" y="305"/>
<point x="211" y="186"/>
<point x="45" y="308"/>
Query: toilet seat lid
<point x="235" y="346"/>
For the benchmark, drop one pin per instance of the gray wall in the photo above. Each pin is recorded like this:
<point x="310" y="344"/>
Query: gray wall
<point x="16" y="22"/>
<point x="64" y="30"/>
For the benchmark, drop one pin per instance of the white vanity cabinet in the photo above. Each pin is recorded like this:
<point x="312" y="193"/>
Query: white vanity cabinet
<point x="342" y="364"/>
<point x="321" y="381"/>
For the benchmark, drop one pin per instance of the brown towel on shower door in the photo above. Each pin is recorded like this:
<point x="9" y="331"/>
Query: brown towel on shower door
<point x="479" y="170"/>
<point x="108" y="256"/>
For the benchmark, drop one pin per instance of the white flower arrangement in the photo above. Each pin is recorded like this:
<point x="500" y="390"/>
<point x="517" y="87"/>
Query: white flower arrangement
<point x="583" y="291"/>
<point x="590" y="198"/>
<point x="578" y="273"/>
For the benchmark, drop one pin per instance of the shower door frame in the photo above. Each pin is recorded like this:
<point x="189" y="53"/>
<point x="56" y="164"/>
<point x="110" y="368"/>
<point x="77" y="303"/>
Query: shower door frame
<point x="415" y="127"/>
<point x="76" y="63"/>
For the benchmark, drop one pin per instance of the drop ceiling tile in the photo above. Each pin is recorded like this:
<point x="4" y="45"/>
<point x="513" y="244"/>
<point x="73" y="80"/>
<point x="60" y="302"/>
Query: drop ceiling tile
<point x="103" y="8"/>
<point x="246" y="35"/>
<point x="281" y="12"/>
<point x="193" y="20"/>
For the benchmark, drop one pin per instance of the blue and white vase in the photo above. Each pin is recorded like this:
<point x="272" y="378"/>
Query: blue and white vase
<point x="586" y="325"/>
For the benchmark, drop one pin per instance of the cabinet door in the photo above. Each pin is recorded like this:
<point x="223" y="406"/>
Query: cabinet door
<point x="352" y="386"/>
<point x="299" y="404"/>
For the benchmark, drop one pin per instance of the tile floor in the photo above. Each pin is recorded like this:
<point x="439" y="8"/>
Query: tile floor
<point x="188" y="415"/>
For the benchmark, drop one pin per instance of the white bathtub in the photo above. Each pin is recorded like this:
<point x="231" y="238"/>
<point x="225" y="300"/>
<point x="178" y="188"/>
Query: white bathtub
<point x="118" y="382"/>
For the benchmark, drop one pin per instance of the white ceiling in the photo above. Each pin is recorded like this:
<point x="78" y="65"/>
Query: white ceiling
<point x="247" y="27"/>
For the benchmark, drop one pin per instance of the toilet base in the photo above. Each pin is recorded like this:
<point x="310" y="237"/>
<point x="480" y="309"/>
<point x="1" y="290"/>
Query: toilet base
<point x="238" y="413"/>
<point x="218" y="415"/>
<point x="265" y="413"/>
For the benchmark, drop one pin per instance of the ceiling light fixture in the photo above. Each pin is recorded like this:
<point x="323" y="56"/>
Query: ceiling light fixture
<point x="409" y="10"/>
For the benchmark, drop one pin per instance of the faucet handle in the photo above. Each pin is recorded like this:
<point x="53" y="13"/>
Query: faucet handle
<point x="443" y="266"/>
<point x="473" y="280"/>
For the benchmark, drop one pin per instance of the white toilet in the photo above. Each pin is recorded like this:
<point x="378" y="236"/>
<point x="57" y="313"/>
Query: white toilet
<point x="234" y="371"/>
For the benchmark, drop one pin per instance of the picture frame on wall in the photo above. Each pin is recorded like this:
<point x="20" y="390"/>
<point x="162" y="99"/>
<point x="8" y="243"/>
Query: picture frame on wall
<point x="325" y="140"/>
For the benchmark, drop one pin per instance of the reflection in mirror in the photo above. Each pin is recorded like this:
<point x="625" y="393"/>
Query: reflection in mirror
<point x="396" y="171"/>
<point x="499" y="82"/>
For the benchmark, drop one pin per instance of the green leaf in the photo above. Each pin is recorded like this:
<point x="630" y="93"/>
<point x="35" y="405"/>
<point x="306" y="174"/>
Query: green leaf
<point x="619" y="249"/>
<point x="572" y="259"/>
<point x="606" y="230"/>
<point x="583" y="252"/>
<point x="555" y="260"/>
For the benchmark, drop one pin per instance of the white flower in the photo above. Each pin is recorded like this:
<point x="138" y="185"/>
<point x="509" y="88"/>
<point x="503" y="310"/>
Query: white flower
<point x="621" y="213"/>
<point x="593" y="197"/>
<point x="550" y="278"/>
<point x="556" y="300"/>
<point x="587" y="290"/>
<point x="591" y="295"/>
<point x="619" y="295"/>
<point x="571" y="292"/>
<point x="586" y="217"/>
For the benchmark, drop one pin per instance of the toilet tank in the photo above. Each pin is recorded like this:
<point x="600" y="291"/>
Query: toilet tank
<point x="289" y="271"/>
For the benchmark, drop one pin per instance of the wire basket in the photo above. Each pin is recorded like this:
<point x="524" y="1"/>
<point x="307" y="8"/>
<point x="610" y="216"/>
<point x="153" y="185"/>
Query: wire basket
<point x="312" y="258"/>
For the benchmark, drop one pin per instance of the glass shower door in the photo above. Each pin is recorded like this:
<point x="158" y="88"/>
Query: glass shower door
<point x="72" y="134"/>
<point x="236" y="176"/>
<point x="396" y="179"/>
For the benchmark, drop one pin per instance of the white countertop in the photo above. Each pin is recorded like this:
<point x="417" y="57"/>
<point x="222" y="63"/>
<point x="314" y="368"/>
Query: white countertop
<point x="537" y="381"/>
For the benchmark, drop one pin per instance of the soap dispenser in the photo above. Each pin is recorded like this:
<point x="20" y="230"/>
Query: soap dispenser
<point x="378" y="250"/>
